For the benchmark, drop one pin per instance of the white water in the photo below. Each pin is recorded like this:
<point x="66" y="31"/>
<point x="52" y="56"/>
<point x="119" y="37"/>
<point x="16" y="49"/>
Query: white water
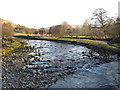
<point x="78" y="61"/>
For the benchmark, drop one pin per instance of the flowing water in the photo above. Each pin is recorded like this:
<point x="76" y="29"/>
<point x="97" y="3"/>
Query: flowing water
<point x="63" y="65"/>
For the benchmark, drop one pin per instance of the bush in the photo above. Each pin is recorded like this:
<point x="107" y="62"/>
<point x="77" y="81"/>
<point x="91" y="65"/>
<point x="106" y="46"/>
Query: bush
<point x="7" y="29"/>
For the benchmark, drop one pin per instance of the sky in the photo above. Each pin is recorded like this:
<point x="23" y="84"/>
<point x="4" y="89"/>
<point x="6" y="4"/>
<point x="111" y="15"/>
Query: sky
<point x="45" y="13"/>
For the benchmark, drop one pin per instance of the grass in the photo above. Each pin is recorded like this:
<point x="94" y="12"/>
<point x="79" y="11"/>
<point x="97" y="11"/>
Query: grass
<point x="23" y="34"/>
<point x="98" y="43"/>
<point x="9" y="46"/>
<point x="101" y="44"/>
<point x="115" y="44"/>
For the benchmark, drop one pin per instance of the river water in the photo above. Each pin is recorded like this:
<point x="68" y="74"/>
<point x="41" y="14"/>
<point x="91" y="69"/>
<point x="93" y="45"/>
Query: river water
<point x="63" y="65"/>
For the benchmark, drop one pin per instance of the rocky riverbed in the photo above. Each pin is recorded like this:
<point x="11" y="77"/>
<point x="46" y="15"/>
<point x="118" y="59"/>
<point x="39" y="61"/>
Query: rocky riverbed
<point x="12" y="64"/>
<point x="56" y="65"/>
<point x="101" y="76"/>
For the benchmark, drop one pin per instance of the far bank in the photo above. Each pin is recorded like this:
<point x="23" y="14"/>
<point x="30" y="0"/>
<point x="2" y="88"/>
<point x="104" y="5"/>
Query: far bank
<point x="108" y="46"/>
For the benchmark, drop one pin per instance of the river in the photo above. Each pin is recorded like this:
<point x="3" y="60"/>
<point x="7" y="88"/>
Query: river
<point x="63" y="65"/>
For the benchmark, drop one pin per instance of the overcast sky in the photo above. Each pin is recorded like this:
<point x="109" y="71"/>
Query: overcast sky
<point x="45" y="13"/>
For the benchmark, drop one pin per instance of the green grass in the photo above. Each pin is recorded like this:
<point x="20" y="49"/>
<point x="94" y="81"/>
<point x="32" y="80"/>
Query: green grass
<point x="108" y="45"/>
<point x="9" y="46"/>
<point x="92" y="37"/>
<point x="101" y="44"/>
<point x="115" y="45"/>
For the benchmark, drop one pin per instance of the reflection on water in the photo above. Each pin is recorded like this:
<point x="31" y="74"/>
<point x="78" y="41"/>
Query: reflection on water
<point x="52" y="61"/>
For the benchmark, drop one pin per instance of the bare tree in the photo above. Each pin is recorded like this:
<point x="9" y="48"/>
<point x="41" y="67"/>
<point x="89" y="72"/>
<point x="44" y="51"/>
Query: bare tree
<point x="60" y="30"/>
<point x="85" y="27"/>
<point x="75" y="31"/>
<point x="100" y="17"/>
<point x="100" y="20"/>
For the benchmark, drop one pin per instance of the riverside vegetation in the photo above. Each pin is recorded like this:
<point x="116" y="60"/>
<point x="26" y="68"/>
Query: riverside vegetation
<point x="22" y="58"/>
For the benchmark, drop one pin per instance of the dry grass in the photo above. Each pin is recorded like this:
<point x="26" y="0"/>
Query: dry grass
<point x="9" y="46"/>
<point x="101" y="44"/>
<point x="98" y="43"/>
<point x="23" y="34"/>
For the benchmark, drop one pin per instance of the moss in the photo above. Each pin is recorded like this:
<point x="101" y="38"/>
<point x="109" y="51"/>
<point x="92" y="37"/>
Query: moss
<point x="115" y="44"/>
<point x="9" y="45"/>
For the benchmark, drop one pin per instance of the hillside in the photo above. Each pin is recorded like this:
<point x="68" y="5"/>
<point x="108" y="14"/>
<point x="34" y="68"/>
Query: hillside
<point x="8" y="28"/>
<point x="6" y="21"/>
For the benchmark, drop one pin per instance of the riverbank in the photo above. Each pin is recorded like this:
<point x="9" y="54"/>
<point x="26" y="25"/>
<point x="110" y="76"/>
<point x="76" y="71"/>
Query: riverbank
<point x="47" y="64"/>
<point x="9" y="44"/>
<point x="109" y="46"/>
<point x="14" y="57"/>
<point x="12" y="64"/>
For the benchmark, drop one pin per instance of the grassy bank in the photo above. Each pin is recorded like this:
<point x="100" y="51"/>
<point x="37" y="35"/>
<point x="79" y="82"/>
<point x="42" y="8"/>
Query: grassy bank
<point x="100" y="44"/>
<point x="13" y="73"/>
<point x="9" y="44"/>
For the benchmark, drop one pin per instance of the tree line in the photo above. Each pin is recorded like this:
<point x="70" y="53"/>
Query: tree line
<point x="100" y="25"/>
